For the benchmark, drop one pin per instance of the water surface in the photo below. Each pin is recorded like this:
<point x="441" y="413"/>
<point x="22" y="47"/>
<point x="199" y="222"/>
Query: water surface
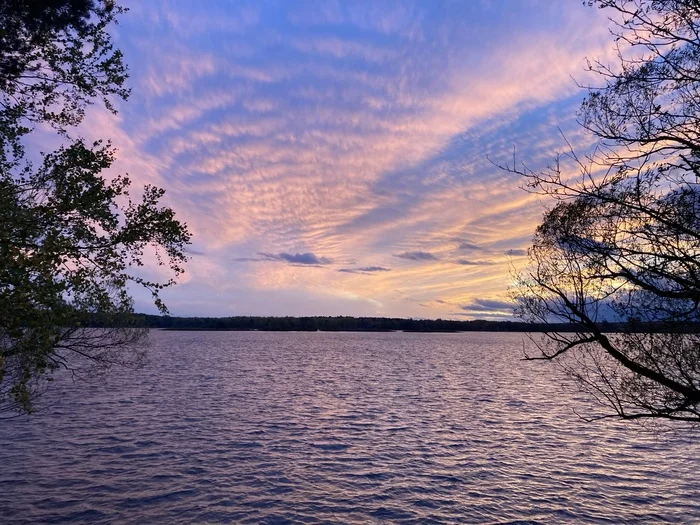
<point x="258" y="427"/>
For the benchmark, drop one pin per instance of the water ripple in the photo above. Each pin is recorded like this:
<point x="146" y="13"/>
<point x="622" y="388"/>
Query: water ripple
<point x="337" y="428"/>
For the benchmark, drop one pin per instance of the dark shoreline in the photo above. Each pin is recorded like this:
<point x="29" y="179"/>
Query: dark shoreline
<point x="388" y="324"/>
<point x="335" y="324"/>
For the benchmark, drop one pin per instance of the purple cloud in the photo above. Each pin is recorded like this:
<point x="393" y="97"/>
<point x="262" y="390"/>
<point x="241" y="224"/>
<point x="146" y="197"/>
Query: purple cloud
<point x="303" y="259"/>
<point x="469" y="246"/>
<point x="466" y="262"/>
<point x="367" y="270"/>
<point x="481" y="305"/>
<point x="417" y="256"/>
<point x="307" y="258"/>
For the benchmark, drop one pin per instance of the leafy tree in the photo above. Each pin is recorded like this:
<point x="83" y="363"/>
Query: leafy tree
<point x="622" y="242"/>
<point x="70" y="240"/>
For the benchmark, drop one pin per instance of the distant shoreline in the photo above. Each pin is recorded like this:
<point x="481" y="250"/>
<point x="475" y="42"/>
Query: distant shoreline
<point x="334" y="324"/>
<point x="385" y="324"/>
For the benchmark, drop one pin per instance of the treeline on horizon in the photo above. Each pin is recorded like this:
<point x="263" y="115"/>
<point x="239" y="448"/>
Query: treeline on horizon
<point x="383" y="324"/>
<point x="333" y="324"/>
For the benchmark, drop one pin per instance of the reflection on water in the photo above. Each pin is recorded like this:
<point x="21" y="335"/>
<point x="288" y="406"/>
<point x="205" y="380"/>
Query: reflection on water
<point x="257" y="427"/>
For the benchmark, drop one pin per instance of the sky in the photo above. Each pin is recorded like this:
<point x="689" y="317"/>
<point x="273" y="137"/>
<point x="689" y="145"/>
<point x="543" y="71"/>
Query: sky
<point x="337" y="158"/>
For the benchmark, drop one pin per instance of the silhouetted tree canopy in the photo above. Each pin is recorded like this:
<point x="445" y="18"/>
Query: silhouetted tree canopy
<point x="337" y="324"/>
<point x="56" y="57"/>
<point x="622" y="241"/>
<point x="69" y="238"/>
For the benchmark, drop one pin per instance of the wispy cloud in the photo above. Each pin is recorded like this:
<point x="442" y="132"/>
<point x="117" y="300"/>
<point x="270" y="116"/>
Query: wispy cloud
<point x="488" y="306"/>
<point x="358" y="131"/>
<point x="417" y="256"/>
<point x="298" y="258"/>
<point x="302" y="259"/>
<point x="467" y="262"/>
<point x="366" y="270"/>
<point x="469" y="246"/>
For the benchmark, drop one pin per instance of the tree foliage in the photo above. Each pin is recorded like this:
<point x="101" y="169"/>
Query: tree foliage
<point x="70" y="239"/>
<point x="56" y="57"/>
<point x="622" y="241"/>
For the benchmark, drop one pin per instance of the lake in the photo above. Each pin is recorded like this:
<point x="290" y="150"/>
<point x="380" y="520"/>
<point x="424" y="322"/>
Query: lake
<point x="269" y="427"/>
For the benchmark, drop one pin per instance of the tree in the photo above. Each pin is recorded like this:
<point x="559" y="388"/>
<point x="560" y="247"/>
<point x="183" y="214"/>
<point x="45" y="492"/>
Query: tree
<point x="621" y="245"/>
<point x="70" y="240"/>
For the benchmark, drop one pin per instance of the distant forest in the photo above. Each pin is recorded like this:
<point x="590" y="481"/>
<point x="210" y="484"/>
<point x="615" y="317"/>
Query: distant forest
<point x="386" y="324"/>
<point x="342" y="324"/>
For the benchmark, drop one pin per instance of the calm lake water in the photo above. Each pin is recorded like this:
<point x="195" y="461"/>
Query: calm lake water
<point x="252" y="427"/>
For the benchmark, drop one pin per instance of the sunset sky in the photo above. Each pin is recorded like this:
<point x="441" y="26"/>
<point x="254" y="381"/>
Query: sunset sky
<point x="332" y="158"/>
